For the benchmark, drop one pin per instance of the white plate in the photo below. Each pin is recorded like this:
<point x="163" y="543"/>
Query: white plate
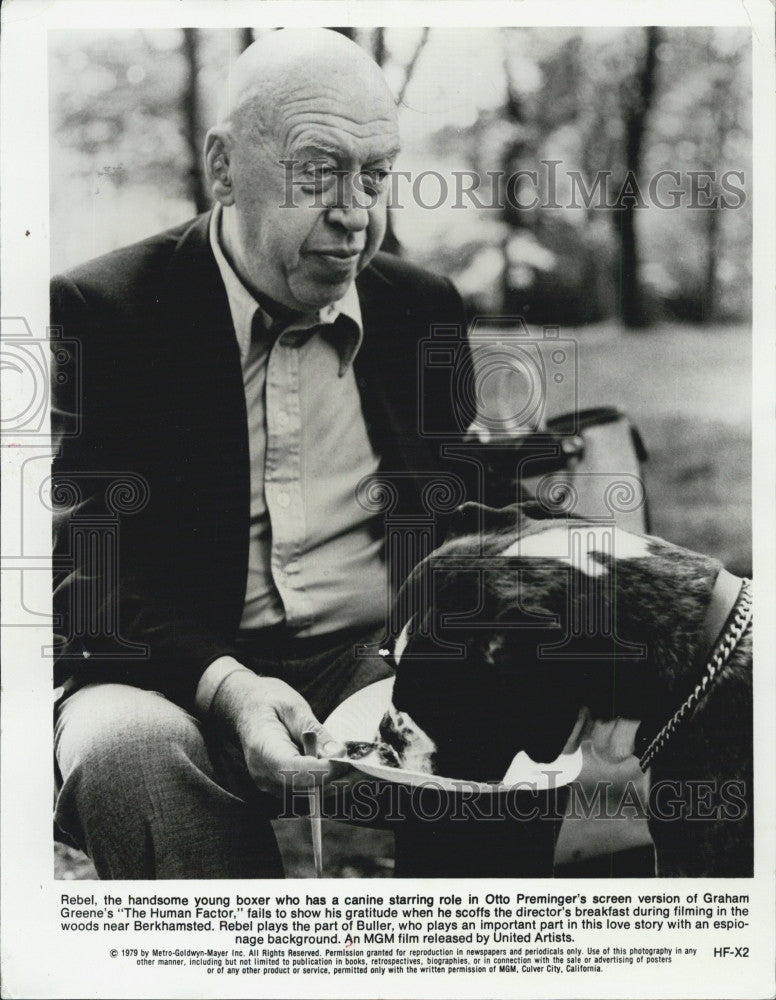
<point x="358" y="719"/>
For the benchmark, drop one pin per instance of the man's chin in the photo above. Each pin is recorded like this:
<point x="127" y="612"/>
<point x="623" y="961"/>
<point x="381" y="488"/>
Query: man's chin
<point x="320" y="294"/>
<point x="319" y="281"/>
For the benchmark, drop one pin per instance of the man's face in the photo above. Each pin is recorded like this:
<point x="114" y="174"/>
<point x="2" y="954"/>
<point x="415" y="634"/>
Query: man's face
<point x="302" y="229"/>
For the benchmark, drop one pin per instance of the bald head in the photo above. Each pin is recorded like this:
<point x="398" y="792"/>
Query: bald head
<point x="299" y="163"/>
<point x="293" y="67"/>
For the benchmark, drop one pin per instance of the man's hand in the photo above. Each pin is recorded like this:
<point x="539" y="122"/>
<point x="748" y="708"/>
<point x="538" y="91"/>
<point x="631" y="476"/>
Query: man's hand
<point x="268" y="718"/>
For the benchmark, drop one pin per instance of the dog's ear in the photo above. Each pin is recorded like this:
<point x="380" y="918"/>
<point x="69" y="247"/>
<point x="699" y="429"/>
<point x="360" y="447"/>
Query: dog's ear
<point x="478" y="519"/>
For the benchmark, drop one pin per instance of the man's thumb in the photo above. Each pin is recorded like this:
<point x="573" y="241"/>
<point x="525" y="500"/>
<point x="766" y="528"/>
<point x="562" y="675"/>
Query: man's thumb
<point x="320" y="742"/>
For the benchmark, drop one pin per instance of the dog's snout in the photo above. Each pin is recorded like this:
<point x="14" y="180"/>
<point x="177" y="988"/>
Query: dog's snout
<point x="412" y="746"/>
<point x="390" y="730"/>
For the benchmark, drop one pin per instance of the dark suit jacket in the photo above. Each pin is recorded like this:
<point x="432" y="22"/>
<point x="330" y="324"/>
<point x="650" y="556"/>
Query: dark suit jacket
<point x="150" y="576"/>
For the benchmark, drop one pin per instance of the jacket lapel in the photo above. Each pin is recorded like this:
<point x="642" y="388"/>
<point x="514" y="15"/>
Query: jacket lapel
<point x="386" y="376"/>
<point x="209" y="403"/>
<point x="389" y="381"/>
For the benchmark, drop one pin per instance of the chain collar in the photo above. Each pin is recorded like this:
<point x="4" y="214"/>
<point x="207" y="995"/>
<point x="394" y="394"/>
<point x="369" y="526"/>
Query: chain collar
<point x="740" y="622"/>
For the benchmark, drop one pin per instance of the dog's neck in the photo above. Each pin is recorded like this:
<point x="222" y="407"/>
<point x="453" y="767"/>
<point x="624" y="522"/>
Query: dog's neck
<point x="643" y="590"/>
<point x="723" y="599"/>
<point x="725" y="627"/>
<point x="662" y="602"/>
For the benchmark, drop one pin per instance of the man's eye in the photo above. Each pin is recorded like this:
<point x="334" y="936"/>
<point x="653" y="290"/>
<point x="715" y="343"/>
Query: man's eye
<point x="318" y="175"/>
<point x="375" y="178"/>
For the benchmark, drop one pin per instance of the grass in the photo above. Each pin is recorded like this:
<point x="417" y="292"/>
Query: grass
<point x="688" y="390"/>
<point x="348" y="852"/>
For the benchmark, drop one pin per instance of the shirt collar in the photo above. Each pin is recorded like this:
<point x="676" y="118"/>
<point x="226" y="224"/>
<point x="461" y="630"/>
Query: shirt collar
<point x="243" y="307"/>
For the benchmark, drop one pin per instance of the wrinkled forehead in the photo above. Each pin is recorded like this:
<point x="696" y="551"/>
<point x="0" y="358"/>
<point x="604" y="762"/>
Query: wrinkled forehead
<point x="351" y="103"/>
<point x="321" y="137"/>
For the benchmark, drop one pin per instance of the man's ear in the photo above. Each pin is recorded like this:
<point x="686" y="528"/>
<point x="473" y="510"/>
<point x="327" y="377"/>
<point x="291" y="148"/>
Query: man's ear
<point x="217" y="166"/>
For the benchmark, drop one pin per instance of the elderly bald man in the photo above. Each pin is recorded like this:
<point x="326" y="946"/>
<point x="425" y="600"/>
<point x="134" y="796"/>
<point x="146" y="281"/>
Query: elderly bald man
<point x="244" y="373"/>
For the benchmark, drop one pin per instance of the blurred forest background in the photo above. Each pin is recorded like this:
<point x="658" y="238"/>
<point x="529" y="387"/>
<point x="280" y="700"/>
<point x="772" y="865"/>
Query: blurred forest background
<point x="130" y="110"/>
<point x="657" y="299"/>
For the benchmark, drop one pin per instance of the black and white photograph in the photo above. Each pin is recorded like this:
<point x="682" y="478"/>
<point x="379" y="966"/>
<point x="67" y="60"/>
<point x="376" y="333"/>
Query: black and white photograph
<point x="591" y="206"/>
<point x="388" y="501"/>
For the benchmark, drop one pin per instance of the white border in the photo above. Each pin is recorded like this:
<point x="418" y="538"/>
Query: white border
<point x="40" y="964"/>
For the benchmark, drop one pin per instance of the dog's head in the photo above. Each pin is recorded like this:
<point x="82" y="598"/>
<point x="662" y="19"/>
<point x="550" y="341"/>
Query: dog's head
<point x="516" y="624"/>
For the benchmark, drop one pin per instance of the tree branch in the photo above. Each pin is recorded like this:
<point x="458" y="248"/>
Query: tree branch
<point x="410" y="69"/>
<point x="190" y="108"/>
<point x="246" y="38"/>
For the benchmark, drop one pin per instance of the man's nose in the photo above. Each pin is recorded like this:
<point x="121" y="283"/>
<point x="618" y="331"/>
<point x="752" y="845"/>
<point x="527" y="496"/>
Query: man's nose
<point x="351" y="216"/>
<point x="350" y="206"/>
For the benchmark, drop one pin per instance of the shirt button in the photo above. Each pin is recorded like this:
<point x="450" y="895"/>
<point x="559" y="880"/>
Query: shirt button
<point x="283" y="500"/>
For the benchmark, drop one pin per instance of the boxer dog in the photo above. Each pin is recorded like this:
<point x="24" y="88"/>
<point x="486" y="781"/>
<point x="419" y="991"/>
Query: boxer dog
<point x="534" y="634"/>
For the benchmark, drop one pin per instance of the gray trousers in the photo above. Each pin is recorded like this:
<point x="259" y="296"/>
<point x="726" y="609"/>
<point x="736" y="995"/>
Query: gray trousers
<point x="148" y="791"/>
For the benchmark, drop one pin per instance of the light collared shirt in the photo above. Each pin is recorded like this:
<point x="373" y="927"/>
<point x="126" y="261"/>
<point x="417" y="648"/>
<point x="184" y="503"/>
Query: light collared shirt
<point x="315" y="561"/>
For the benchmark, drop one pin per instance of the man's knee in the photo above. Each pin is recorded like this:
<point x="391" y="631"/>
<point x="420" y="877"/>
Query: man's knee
<point x="114" y="732"/>
<point x="139" y="791"/>
<point x="122" y="754"/>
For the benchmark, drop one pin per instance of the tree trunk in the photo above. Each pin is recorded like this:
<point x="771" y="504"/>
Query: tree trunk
<point x="633" y="310"/>
<point x="517" y="155"/>
<point x="190" y="107"/>
<point x="390" y="242"/>
<point x="378" y="46"/>
<point x="246" y="38"/>
<point x="723" y="107"/>
<point x="709" y="301"/>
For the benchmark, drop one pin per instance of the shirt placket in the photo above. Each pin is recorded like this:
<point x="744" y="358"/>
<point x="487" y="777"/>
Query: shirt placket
<point x="283" y="475"/>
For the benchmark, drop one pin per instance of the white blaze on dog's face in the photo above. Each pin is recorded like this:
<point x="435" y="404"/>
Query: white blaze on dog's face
<point x="577" y="545"/>
<point x="401" y="643"/>
<point x="413" y="747"/>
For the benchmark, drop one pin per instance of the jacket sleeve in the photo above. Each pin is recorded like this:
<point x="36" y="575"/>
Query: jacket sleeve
<point x="114" y="617"/>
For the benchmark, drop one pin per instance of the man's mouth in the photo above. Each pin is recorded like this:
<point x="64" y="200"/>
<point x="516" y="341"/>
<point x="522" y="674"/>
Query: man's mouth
<point x="344" y="252"/>
<point x="335" y="264"/>
<point x="337" y="258"/>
